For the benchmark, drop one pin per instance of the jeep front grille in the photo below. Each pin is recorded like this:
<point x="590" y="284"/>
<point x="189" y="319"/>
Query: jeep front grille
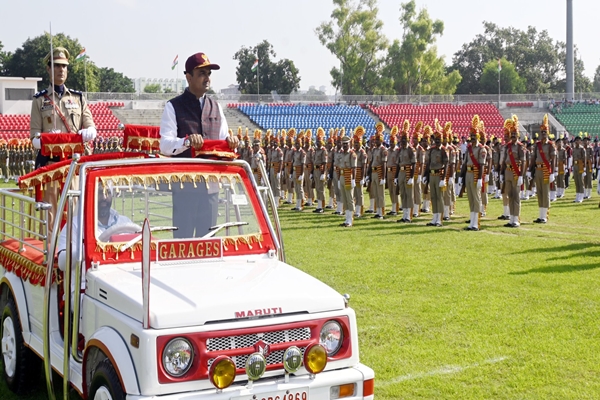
<point x="225" y="344"/>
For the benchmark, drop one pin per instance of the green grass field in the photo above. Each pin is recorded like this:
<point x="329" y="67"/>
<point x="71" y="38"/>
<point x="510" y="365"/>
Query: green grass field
<point x="446" y="313"/>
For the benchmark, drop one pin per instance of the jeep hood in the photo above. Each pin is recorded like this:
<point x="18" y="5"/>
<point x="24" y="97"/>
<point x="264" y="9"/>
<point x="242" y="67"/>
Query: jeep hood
<point x="195" y="294"/>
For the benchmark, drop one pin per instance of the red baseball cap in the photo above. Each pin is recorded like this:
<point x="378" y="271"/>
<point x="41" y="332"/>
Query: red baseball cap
<point x="198" y="60"/>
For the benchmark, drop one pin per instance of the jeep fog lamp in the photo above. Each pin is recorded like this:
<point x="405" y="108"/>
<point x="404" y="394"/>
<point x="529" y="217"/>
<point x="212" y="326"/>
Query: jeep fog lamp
<point x="315" y="358"/>
<point x="177" y="357"/>
<point x="331" y="337"/>
<point x="292" y="359"/>
<point x="222" y="372"/>
<point x="256" y="365"/>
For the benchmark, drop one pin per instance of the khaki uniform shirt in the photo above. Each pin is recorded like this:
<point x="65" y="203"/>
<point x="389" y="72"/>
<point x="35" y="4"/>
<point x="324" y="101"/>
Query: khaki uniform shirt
<point x="72" y="105"/>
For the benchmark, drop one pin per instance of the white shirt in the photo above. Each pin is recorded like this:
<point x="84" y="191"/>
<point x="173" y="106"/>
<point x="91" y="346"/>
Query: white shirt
<point x="113" y="219"/>
<point x="170" y="144"/>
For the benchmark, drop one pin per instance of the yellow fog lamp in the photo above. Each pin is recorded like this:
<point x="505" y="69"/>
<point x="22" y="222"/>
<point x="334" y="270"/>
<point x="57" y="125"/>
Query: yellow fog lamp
<point x="315" y="358"/>
<point x="256" y="365"/>
<point x="292" y="359"/>
<point x="222" y="372"/>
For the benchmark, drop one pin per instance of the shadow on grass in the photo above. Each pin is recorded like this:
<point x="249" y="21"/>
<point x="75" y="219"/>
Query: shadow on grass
<point x="557" y="269"/>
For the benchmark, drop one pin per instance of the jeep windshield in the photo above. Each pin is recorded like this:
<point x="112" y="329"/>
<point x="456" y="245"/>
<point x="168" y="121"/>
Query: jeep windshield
<point x="182" y="202"/>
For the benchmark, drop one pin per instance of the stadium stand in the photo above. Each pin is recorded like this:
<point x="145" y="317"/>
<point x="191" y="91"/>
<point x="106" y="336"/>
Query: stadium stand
<point x="277" y="116"/>
<point x="460" y="115"/>
<point x="17" y="126"/>
<point x="580" y="117"/>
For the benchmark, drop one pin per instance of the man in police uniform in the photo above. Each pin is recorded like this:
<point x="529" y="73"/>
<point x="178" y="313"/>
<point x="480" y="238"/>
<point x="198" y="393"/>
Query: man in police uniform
<point x="542" y="167"/>
<point x="472" y="170"/>
<point x="512" y="171"/>
<point x="319" y="172"/>
<point x="436" y="161"/>
<point x="347" y="180"/>
<point x="377" y="173"/>
<point x="57" y="110"/>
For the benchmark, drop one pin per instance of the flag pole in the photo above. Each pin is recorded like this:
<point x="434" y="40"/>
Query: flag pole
<point x="85" y="76"/>
<point x="499" y="69"/>
<point x="52" y="77"/>
<point x="257" y="78"/>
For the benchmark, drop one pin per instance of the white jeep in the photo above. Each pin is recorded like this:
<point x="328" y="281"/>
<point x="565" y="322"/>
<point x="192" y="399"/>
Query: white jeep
<point x="212" y="313"/>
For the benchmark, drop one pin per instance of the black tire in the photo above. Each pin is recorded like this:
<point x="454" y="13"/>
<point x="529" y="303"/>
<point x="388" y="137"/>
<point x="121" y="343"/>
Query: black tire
<point x="20" y="365"/>
<point x="107" y="381"/>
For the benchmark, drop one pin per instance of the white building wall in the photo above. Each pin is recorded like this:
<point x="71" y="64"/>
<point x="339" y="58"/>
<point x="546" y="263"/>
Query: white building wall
<point x="16" y="106"/>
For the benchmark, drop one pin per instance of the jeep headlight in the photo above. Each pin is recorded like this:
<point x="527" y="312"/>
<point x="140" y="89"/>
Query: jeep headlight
<point x="331" y="337"/>
<point x="177" y="357"/>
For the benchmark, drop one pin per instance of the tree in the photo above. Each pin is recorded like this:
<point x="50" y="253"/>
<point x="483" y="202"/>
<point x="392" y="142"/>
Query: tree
<point x="4" y="58"/>
<point x="27" y="61"/>
<point x="116" y="82"/>
<point x="153" y="88"/>
<point x="354" y="36"/>
<point x="413" y="63"/>
<point x="536" y="57"/>
<point x="510" y="81"/>
<point x="597" y="80"/>
<point x="281" y="76"/>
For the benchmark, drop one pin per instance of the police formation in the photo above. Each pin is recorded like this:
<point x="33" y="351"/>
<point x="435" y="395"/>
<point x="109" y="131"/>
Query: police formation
<point x="424" y="170"/>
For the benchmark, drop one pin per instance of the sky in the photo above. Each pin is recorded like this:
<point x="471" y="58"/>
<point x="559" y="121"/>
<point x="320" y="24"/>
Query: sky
<point x="140" y="38"/>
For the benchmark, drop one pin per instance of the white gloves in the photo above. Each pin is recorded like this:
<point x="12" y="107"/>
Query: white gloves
<point x="310" y="177"/>
<point x="301" y="178"/>
<point x="279" y="175"/>
<point x="353" y="183"/>
<point x="551" y="178"/>
<point x="322" y="178"/>
<point x="479" y="183"/>
<point x="583" y="174"/>
<point x="88" y="134"/>
<point x="419" y="179"/>
<point x="460" y="181"/>
<point x="362" y="182"/>
<point x="37" y="143"/>
<point x="528" y="174"/>
<point x="502" y="179"/>
<point x="382" y="181"/>
<point x="291" y="177"/>
<point x="424" y="181"/>
<point x="451" y="180"/>
<point x="395" y="181"/>
<point x="495" y="176"/>
<point x="487" y="178"/>
<point x="520" y="181"/>
<point x="411" y="182"/>
<point x="339" y="185"/>
<point x="443" y="183"/>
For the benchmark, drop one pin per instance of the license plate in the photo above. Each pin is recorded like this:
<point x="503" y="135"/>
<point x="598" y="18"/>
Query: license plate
<point x="292" y="394"/>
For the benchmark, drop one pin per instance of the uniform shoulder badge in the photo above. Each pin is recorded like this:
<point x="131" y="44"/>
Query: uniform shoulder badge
<point x="41" y="93"/>
<point x="76" y="91"/>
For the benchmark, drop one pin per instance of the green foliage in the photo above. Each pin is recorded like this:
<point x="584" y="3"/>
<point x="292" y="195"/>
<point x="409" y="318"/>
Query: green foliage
<point x="281" y="76"/>
<point x="413" y="63"/>
<point x="4" y="58"/>
<point x="597" y="80"/>
<point x="354" y="35"/>
<point x="510" y="81"/>
<point x="28" y="61"/>
<point x="116" y="82"/>
<point x="539" y="60"/>
<point x="153" y="88"/>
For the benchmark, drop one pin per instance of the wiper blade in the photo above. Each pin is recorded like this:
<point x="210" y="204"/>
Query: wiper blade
<point x="214" y="229"/>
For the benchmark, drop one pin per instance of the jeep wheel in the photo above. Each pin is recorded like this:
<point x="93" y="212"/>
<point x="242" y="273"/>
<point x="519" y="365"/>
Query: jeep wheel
<point x="105" y="383"/>
<point x="21" y="366"/>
